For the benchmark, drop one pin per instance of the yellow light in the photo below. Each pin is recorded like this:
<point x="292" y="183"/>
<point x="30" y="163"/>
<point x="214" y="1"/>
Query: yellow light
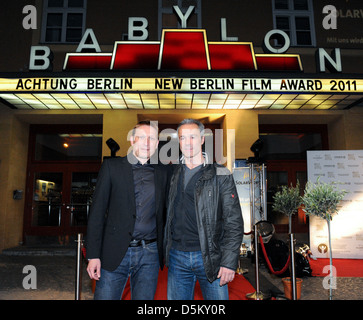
<point x="65" y="145"/>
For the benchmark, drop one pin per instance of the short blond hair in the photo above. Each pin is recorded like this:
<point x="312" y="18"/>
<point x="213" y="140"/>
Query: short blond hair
<point x="145" y="123"/>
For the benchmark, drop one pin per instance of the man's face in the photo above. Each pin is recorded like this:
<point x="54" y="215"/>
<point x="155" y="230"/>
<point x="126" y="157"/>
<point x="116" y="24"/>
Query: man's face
<point x="144" y="142"/>
<point x="190" y="141"/>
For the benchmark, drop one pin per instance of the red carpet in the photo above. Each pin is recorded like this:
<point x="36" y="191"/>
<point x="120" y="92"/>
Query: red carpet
<point x="344" y="267"/>
<point x="238" y="288"/>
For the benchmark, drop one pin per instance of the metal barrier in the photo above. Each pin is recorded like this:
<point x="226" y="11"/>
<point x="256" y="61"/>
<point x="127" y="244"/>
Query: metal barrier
<point x="78" y="267"/>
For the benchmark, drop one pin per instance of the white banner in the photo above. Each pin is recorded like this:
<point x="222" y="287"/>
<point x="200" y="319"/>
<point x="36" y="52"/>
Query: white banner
<point x="241" y="177"/>
<point x="345" y="168"/>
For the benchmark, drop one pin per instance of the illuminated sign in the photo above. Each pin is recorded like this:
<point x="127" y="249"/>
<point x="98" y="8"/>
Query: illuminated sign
<point x="114" y="84"/>
<point x="182" y="49"/>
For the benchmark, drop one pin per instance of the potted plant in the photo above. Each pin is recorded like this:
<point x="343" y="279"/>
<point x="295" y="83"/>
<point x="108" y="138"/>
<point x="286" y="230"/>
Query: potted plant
<point x="288" y="201"/>
<point x="322" y="199"/>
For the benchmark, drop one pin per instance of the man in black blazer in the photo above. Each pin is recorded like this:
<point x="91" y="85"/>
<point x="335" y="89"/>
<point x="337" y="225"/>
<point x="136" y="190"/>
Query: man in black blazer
<point x="125" y="226"/>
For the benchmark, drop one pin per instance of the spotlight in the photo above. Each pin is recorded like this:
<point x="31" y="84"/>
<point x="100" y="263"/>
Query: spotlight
<point x="114" y="147"/>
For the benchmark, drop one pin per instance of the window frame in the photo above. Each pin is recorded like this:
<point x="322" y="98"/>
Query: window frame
<point x="292" y="15"/>
<point x="65" y="10"/>
<point x="35" y="129"/>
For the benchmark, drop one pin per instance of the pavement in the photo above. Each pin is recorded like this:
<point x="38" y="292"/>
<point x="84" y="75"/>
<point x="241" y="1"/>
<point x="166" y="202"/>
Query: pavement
<point x="55" y="269"/>
<point x="312" y="288"/>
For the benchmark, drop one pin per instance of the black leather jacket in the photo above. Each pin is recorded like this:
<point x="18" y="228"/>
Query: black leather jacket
<point x="219" y="218"/>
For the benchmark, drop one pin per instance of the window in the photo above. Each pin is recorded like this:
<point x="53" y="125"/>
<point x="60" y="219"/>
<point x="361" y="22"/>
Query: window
<point x="68" y="147"/>
<point x="62" y="143"/>
<point x="296" y="18"/>
<point x="168" y="18"/>
<point x="63" y="21"/>
<point x="289" y="145"/>
<point x="290" y="142"/>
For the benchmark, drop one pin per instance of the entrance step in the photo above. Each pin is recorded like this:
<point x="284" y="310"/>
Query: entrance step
<point x="44" y="246"/>
<point x="41" y="251"/>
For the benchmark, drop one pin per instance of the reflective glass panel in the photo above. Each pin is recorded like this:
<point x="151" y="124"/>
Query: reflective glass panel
<point x="275" y="179"/>
<point x="83" y="186"/>
<point x="277" y="146"/>
<point x="68" y="147"/>
<point x="47" y="199"/>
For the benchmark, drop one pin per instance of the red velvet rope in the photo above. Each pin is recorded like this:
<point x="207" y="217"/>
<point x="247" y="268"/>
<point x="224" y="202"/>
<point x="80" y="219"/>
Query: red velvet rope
<point x="84" y="252"/>
<point x="264" y="253"/>
<point x="269" y="263"/>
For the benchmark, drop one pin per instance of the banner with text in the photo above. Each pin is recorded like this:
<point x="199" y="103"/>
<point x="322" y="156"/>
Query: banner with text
<point x="242" y="180"/>
<point x="282" y="85"/>
<point x="345" y="168"/>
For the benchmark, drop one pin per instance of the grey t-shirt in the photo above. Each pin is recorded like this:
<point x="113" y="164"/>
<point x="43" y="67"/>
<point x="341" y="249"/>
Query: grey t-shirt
<point x="189" y="173"/>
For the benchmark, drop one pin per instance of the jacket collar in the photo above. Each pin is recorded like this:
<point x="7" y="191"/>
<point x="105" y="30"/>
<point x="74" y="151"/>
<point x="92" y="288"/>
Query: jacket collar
<point x="208" y="171"/>
<point x="205" y="156"/>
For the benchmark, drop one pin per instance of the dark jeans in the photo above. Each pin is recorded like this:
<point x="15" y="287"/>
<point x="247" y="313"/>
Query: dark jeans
<point x="142" y="265"/>
<point x="185" y="268"/>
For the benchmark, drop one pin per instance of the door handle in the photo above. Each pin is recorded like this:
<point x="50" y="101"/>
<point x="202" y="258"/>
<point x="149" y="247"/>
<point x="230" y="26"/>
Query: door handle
<point x="68" y="206"/>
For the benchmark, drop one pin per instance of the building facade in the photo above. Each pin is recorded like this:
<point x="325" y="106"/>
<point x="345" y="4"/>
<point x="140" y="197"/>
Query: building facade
<point x="75" y="73"/>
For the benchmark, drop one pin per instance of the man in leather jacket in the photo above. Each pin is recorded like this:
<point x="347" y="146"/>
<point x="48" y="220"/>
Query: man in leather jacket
<point x="204" y="227"/>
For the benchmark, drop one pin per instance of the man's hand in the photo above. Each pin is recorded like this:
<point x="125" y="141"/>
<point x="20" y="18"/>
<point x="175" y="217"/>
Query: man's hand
<point x="226" y="275"/>
<point x="94" y="269"/>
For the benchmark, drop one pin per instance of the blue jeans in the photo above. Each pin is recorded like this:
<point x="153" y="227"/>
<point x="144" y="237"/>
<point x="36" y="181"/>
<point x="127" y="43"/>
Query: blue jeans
<point x="142" y="265"/>
<point x="184" y="269"/>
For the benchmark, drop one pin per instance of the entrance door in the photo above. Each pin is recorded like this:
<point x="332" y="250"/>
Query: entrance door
<point x="59" y="199"/>
<point x="286" y="173"/>
<point x="63" y="165"/>
<point x="284" y="150"/>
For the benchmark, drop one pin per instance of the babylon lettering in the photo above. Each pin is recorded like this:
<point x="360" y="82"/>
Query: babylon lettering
<point x="41" y="56"/>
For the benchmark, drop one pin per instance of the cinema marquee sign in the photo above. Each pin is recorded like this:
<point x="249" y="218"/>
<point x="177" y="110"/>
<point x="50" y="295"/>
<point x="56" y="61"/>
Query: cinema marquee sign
<point x="114" y="84"/>
<point x="182" y="49"/>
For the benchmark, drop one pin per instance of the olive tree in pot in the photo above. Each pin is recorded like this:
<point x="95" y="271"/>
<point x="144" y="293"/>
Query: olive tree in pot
<point x="288" y="201"/>
<point x="322" y="199"/>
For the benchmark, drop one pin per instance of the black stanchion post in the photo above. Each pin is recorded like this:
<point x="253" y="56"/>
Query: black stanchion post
<point x="78" y="267"/>
<point x="293" y="275"/>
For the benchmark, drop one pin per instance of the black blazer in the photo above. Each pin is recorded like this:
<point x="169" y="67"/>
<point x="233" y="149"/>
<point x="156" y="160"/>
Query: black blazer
<point x="112" y="217"/>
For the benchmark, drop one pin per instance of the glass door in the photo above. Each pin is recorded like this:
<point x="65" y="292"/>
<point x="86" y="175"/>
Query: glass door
<point x="47" y="199"/>
<point x="59" y="198"/>
<point x="284" y="151"/>
<point x="63" y="163"/>
<point x="286" y="173"/>
<point x="82" y="187"/>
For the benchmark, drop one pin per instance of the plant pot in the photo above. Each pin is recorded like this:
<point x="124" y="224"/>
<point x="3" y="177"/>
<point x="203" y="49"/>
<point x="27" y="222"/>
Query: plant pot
<point x="288" y="288"/>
